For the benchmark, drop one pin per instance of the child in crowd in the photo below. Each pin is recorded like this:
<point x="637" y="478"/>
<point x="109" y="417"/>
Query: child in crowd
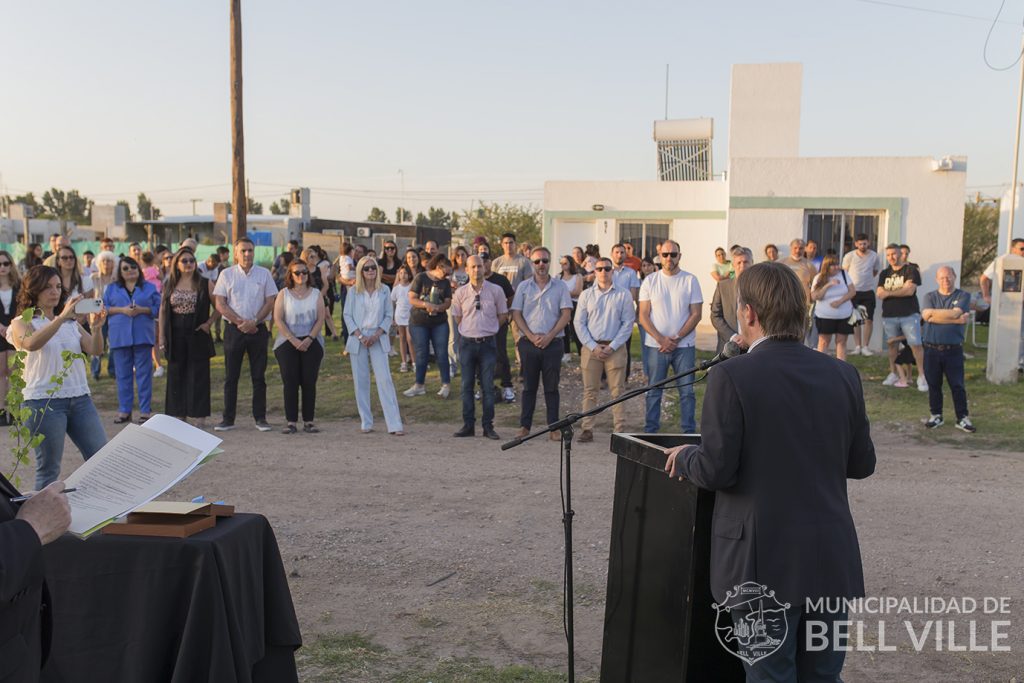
<point x="400" y="297"/>
<point x="904" y="362"/>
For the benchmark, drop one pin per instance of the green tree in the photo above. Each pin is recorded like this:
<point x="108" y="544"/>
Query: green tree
<point x="147" y="212"/>
<point x="29" y="199"/>
<point x="438" y="218"/>
<point x="981" y="227"/>
<point x="492" y="220"/>
<point x="255" y="207"/>
<point x="402" y="215"/>
<point x="66" y="206"/>
<point x="281" y="208"/>
<point x="377" y="215"/>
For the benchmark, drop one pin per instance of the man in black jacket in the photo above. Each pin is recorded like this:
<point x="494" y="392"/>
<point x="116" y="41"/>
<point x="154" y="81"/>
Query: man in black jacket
<point x="783" y="427"/>
<point x="24" y="622"/>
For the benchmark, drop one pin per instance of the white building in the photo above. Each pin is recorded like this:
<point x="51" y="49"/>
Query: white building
<point x="769" y="194"/>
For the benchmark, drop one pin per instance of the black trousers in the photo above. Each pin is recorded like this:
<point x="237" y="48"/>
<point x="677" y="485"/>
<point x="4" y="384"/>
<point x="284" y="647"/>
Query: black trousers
<point x="540" y="365"/>
<point x="299" y="370"/>
<point x="502" y="369"/>
<point x="237" y="345"/>
<point x="188" y="373"/>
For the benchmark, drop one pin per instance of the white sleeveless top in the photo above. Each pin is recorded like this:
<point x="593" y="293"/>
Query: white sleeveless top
<point x="299" y="316"/>
<point x="44" y="363"/>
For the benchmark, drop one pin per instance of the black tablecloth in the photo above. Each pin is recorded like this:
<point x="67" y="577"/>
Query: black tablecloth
<point x="213" y="607"/>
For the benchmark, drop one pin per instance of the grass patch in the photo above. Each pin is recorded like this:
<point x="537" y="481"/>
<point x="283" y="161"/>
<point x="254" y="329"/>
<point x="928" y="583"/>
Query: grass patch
<point x="355" y="657"/>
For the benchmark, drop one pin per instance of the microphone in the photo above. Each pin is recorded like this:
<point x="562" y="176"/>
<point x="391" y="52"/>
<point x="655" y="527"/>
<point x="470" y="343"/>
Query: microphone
<point x="730" y="350"/>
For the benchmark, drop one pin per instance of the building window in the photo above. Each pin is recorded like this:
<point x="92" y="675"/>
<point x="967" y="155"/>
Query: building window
<point x="836" y="229"/>
<point x="645" y="237"/>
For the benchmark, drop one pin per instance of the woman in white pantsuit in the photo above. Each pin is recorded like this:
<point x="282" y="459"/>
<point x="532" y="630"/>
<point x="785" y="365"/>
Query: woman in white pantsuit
<point x="368" y="318"/>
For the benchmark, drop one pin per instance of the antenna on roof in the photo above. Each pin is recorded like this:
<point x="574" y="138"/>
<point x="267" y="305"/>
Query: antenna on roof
<point x="666" y="92"/>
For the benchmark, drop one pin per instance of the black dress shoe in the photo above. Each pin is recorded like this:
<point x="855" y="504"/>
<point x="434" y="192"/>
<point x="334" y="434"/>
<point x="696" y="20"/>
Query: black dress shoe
<point x="465" y="431"/>
<point x="490" y="433"/>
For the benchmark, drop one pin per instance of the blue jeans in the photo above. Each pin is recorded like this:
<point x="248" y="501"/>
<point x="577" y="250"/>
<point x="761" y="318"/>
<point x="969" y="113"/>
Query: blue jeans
<point x="793" y="661"/>
<point x="436" y="336"/>
<point x="134" y="365"/>
<point x="948" y="363"/>
<point x="656" y="366"/>
<point x="477" y="359"/>
<point x="76" y="417"/>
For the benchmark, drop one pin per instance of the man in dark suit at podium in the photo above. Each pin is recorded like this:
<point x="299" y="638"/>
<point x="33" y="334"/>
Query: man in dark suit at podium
<point x="782" y="427"/>
<point x="24" y="622"/>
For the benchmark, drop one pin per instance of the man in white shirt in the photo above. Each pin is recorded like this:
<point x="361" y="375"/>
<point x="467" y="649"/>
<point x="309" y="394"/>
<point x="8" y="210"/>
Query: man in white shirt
<point x="670" y="308"/>
<point x="863" y="266"/>
<point x="245" y="295"/>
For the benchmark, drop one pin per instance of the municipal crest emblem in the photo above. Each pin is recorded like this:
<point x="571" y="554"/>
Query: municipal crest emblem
<point x="751" y="622"/>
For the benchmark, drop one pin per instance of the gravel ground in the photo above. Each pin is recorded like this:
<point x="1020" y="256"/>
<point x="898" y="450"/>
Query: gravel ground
<point x="440" y="547"/>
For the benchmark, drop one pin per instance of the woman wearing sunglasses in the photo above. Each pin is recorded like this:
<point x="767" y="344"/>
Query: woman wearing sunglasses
<point x="183" y="337"/>
<point x="368" y="317"/>
<point x="299" y="314"/>
<point x="132" y="305"/>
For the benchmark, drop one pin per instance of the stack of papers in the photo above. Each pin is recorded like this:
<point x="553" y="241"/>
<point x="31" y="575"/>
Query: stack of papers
<point x="136" y="466"/>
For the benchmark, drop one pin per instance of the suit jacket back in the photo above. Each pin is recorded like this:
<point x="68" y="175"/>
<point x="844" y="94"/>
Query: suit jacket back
<point x="783" y="427"/>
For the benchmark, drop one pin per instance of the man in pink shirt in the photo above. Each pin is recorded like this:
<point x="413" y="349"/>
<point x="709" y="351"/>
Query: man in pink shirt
<point x="480" y="309"/>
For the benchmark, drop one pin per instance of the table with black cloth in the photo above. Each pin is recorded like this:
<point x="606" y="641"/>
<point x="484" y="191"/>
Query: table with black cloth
<point x="212" y="607"/>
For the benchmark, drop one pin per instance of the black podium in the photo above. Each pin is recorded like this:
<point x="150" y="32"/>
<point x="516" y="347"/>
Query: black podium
<point x="659" y="624"/>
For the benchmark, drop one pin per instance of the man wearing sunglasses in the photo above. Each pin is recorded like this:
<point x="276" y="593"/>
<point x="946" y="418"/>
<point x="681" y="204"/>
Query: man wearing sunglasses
<point x="670" y="308"/>
<point x="479" y="309"/>
<point x="541" y="309"/>
<point x="604" y="321"/>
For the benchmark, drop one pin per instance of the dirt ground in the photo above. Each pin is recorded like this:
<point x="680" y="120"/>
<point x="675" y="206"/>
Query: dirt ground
<point x="448" y="547"/>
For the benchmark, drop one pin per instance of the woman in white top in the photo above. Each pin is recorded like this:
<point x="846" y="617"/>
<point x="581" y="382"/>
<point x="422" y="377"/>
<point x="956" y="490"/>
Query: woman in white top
<point x="69" y="410"/>
<point x="299" y="314"/>
<point x="10" y="280"/>
<point x="573" y="279"/>
<point x="368" y="317"/>
<point x="832" y="293"/>
<point x="400" y="298"/>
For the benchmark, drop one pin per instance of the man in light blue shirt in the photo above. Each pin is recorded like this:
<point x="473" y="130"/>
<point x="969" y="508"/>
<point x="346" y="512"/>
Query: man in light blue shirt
<point x="604" y="324"/>
<point x="541" y="309"/>
<point x="627" y="279"/>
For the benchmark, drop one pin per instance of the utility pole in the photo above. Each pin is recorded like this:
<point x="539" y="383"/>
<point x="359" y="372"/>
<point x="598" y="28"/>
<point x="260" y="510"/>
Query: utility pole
<point x="239" y="204"/>
<point x="194" y="205"/>
<point x="1016" y="153"/>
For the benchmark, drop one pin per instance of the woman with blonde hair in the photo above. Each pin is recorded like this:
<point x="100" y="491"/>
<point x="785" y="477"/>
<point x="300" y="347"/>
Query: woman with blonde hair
<point x="368" y="317"/>
<point x="832" y="293"/>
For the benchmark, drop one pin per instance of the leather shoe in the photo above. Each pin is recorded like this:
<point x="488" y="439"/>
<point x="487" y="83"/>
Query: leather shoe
<point x="523" y="431"/>
<point x="490" y="433"/>
<point x="586" y="436"/>
<point x="465" y="431"/>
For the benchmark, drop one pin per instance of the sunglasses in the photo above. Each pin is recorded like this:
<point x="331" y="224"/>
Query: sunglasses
<point x="67" y="258"/>
<point x="476" y="302"/>
<point x="670" y="254"/>
<point x="538" y="261"/>
<point x="484" y="255"/>
<point x="5" y="263"/>
<point x="370" y="269"/>
<point x="186" y="261"/>
<point x="390" y="248"/>
<point x="603" y="269"/>
<point x="300" y="273"/>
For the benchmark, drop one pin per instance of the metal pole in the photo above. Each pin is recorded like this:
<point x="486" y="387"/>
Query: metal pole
<point x="666" y="92"/>
<point x="239" y="204"/>
<point x="1016" y="151"/>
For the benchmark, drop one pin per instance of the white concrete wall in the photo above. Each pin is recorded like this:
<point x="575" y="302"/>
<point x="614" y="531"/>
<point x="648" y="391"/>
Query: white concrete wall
<point x="932" y="201"/>
<point x="698" y="240"/>
<point x="756" y="228"/>
<point x="764" y="110"/>
<point x="636" y="195"/>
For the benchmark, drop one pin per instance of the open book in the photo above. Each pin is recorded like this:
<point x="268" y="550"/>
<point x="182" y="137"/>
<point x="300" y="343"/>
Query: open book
<point x="135" y="467"/>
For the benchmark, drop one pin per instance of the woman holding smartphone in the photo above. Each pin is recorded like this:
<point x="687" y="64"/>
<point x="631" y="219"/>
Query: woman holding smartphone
<point x="133" y="305"/>
<point x="63" y="408"/>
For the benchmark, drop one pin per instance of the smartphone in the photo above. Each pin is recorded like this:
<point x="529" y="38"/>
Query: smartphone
<point x="86" y="306"/>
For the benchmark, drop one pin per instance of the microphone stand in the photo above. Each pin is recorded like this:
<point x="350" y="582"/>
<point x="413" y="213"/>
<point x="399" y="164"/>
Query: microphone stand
<point x="564" y="427"/>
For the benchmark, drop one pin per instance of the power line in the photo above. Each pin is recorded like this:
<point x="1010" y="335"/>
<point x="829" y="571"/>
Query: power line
<point x="931" y="10"/>
<point x="984" y="50"/>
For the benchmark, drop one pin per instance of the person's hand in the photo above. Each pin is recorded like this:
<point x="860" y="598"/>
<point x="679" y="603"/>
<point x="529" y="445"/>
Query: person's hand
<point x="247" y="327"/>
<point x="541" y="341"/>
<point x="604" y="351"/>
<point x="205" y="327"/>
<point x="837" y="304"/>
<point x="305" y="344"/>
<point x="737" y="339"/>
<point x="48" y="512"/>
<point x="296" y="342"/>
<point x="667" y="344"/>
<point x="964" y="317"/>
<point x="672" y="463"/>
<point x="98" y="317"/>
<point x="69" y="307"/>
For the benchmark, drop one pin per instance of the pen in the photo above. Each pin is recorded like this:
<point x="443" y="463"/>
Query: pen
<point x="22" y="499"/>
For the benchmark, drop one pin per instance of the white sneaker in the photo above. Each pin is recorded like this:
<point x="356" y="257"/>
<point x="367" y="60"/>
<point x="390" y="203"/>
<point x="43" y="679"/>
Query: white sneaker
<point x="890" y="379"/>
<point x="444" y="391"/>
<point x="477" y="395"/>
<point x="404" y="367"/>
<point x="415" y="390"/>
<point x="922" y="383"/>
<point x="856" y="350"/>
<point x="159" y="372"/>
<point x="566" y="357"/>
<point x="866" y="352"/>
<point x="508" y="395"/>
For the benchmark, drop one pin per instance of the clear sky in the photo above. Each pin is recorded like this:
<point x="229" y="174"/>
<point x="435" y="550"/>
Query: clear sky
<point x="472" y="99"/>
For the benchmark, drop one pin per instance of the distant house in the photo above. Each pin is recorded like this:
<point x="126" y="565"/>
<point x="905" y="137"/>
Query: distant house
<point x="768" y="193"/>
